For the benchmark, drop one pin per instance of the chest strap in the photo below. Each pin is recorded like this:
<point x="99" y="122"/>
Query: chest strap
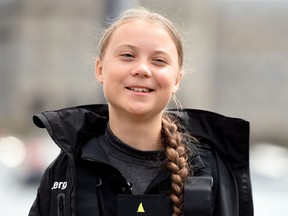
<point x="198" y="196"/>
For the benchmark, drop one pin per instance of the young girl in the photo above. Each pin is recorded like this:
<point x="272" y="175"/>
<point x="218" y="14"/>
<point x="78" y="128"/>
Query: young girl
<point x="134" y="157"/>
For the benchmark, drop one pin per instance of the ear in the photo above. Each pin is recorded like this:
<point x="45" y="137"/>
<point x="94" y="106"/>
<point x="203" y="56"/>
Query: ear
<point x="98" y="70"/>
<point x="177" y="82"/>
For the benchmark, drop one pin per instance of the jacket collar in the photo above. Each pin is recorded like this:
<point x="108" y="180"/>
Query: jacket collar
<point x="72" y="127"/>
<point x="93" y="151"/>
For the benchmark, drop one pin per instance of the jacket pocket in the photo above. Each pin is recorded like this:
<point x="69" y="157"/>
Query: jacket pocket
<point x="61" y="204"/>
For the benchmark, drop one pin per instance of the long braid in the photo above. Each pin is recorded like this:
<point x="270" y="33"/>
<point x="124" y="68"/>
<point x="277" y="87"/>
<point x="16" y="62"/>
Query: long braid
<point x="177" y="154"/>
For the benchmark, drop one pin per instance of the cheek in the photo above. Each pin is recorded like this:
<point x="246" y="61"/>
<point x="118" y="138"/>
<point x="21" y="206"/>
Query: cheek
<point x="110" y="74"/>
<point x="112" y="81"/>
<point x="167" y="78"/>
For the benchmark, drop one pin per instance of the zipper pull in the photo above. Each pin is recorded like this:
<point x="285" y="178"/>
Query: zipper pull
<point x="130" y="186"/>
<point x="61" y="204"/>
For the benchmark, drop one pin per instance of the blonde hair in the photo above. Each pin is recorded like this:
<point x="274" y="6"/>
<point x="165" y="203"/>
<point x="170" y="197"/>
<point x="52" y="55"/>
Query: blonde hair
<point x="177" y="152"/>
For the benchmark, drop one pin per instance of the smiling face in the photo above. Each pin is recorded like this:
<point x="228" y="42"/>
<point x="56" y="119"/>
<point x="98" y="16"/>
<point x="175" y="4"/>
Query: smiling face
<point x="139" y="70"/>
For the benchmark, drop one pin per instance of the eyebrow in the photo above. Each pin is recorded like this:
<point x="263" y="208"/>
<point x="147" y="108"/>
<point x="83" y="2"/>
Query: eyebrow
<point x="135" y="48"/>
<point x="126" y="45"/>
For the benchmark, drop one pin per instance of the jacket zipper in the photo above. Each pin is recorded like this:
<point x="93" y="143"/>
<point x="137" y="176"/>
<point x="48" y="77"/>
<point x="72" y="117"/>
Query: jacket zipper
<point x="99" y="197"/>
<point x="61" y="204"/>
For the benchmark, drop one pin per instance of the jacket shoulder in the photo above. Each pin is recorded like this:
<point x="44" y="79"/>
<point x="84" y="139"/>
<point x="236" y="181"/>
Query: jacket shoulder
<point x="228" y="135"/>
<point x="224" y="149"/>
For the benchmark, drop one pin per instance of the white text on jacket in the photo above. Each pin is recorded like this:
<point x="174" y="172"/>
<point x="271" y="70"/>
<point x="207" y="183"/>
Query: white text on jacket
<point x="59" y="185"/>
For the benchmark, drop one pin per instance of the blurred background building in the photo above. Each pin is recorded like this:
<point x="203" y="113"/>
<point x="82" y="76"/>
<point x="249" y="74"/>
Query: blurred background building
<point x="236" y="64"/>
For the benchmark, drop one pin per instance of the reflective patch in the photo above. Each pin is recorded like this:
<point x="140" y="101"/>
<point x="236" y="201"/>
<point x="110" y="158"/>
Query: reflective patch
<point x="140" y="208"/>
<point x="142" y="205"/>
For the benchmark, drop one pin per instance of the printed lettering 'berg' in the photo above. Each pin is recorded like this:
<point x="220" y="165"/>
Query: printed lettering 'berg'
<point x="59" y="185"/>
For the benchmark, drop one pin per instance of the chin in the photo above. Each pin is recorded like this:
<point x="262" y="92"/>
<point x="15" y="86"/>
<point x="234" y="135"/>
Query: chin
<point x="145" y="110"/>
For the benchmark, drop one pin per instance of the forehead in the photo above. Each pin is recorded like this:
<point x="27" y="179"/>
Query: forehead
<point x="142" y="21"/>
<point x="141" y="30"/>
<point x="135" y="25"/>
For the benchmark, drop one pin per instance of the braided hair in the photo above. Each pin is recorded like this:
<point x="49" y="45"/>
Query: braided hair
<point x="177" y="156"/>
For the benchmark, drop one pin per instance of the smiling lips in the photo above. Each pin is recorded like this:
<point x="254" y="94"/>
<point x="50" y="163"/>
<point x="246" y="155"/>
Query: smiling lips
<point x="139" y="89"/>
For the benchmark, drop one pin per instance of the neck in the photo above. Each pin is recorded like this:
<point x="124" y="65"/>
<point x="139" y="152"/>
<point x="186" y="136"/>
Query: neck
<point x="143" y="133"/>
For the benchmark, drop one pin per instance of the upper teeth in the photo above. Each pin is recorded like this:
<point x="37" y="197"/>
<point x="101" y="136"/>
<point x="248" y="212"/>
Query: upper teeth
<point x="139" y="89"/>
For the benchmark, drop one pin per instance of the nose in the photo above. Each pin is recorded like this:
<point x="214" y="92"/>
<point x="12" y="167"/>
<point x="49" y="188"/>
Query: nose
<point x="142" y="70"/>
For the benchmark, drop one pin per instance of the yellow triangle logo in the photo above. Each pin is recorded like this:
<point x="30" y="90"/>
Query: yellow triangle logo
<point x="140" y="208"/>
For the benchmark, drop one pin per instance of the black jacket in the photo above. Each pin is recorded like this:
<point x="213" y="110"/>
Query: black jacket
<point x="223" y="162"/>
